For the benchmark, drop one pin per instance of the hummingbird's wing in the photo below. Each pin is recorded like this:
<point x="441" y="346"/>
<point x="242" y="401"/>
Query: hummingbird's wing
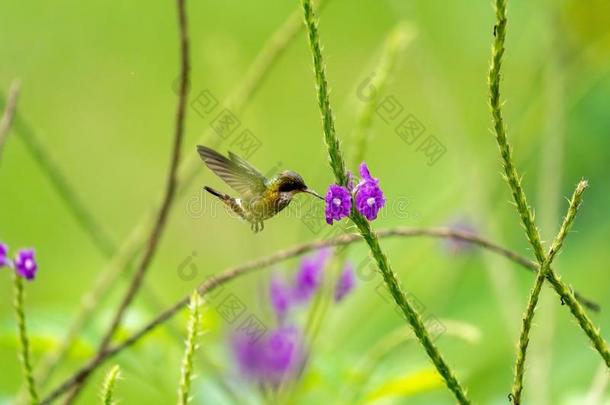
<point x="236" y="172"/>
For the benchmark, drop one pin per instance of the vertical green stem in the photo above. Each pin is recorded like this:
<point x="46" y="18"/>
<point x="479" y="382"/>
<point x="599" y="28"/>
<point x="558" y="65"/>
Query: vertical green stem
<point x="23" y="340"/>
<point x="338" y="166"/>
<point x="7" y="117"/>
<point x="186" y="372"/>
<point x="109" y="383"/>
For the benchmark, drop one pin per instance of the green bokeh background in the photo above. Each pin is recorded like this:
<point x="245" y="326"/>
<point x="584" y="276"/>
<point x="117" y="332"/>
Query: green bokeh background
<point x="97" y="89"/>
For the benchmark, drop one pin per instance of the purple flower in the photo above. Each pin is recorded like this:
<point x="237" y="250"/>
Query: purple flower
<point x="4" y="260"/>
<point x="369" y="197"/>
<point x="271" y="358"/>
<point x="25" y="263"/>
<point x="346" y="282"/>
<point x="248" y="354"/>
<point x="338" y="203"/>
<point x="280" y="295"/>
<point x="309" y="275"/>
<point x="284" y="354"/>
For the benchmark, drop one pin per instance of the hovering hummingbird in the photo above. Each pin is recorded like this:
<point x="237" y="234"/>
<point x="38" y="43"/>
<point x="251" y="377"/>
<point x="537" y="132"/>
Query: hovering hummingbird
<point x="261" y="198"/>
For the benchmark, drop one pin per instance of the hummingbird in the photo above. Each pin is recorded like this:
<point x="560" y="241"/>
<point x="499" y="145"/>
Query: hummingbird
<point x="260" y="198"/>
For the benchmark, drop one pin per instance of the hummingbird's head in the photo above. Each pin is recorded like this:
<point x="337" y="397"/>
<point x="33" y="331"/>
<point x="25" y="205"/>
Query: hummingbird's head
<point x="292" y="182"/>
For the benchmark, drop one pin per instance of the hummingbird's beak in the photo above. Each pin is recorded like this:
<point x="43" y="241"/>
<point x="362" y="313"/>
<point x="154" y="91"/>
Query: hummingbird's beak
<point x="310" y="191"/>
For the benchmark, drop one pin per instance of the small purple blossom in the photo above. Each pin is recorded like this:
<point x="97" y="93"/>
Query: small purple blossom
<point x="4" y="260"/>
<point x="369" y="197"/>
<point x="25" y="264"/>
<point x="280" y="294"/>
<point x="272" y="358"/>
<point x="366" y="174"/>
<point x="338" y="203"/>
<point x="309" y="275"/>
<point x="346" y="282"/>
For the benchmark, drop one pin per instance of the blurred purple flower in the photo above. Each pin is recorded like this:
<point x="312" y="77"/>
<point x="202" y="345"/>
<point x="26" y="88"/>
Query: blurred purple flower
<point x="25" y="264"/>
<point x="272" y="358"/>
<point x="284" y="354"/>
<point x="369" y="197"/>
<point x="346" y="282"/>
<point x="280" y="295"/>
<point x="4" y="260"/>
<point x="248" y="354"/>
<point x="338" y="203"/>
<point x="309" y="275"/>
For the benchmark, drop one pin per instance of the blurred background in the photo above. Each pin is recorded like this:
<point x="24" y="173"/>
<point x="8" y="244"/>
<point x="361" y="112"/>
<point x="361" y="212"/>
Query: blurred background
<point x="97" y="93"/>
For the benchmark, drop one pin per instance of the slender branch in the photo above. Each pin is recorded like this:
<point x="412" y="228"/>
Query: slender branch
<point x="528" y="316"/>
<point x="155" y="236"/>
<point x="26" y="361"/>
<point x="187" y="172"/>
<point x="9" y="112"/>
<point x="338" y="166"/>
<point x="229" y="274"/>
<point x="514" y="182"/>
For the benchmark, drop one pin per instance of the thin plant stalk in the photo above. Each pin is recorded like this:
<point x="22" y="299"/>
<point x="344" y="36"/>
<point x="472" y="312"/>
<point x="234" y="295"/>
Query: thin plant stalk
<point x="394" y="44"/>
<point x="514" y="182"/>
<point x="193" y="331"/>
<point x="9" y="112"/>
<point x="264" y="262"/>
<point x="187" y="172"/>
<point x="528" y="316"/>
<point x="170" y="191"/>
<point x="25" y="356"/>
<point x="338" y="166"/>
<point x="40" y="153"/>
<point x="108" y="386"/>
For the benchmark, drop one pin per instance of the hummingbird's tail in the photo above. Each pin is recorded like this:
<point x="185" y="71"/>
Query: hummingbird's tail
<point x="216" y="193"/>
<point x="231" y="202"/>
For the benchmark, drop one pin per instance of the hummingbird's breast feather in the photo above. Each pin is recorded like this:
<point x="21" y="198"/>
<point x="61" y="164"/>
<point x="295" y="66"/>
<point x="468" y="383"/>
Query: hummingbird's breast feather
<point x="267" y="205"/>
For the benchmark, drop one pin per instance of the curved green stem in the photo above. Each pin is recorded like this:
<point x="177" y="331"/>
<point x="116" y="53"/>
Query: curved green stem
<point x="338" y="166"/>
